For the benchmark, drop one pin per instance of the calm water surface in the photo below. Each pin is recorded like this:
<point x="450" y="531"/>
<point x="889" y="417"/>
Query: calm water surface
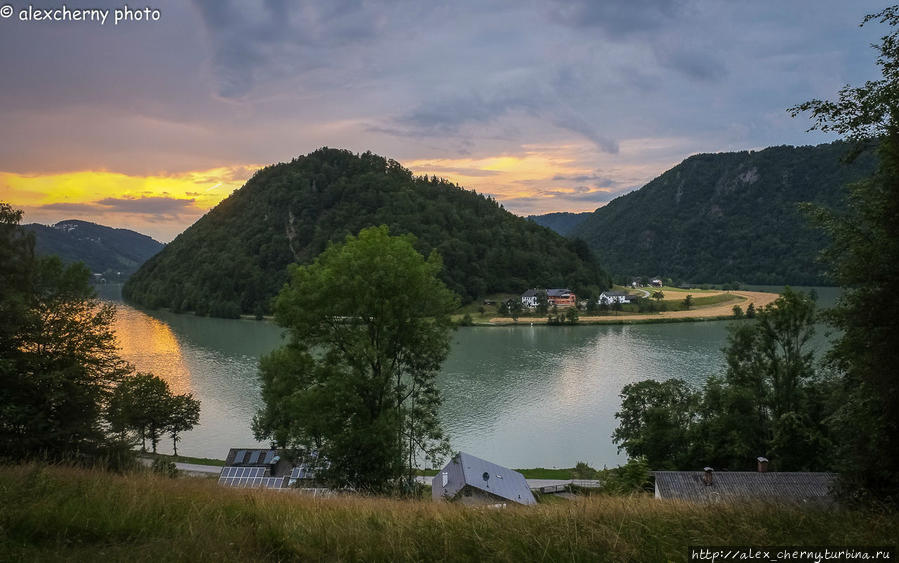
<point x="525" y="396"/>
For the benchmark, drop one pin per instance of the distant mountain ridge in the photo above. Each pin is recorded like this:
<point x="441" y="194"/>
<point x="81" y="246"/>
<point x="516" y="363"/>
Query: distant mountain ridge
<point x="103" y="249"/>
<point x="725" y="217"/>
<point x="562" y="222"/>
<point x="234" y="259"/>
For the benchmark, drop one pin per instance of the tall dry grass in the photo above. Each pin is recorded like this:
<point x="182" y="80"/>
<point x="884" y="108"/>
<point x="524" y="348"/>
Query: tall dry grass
<point x="56" y="513"/>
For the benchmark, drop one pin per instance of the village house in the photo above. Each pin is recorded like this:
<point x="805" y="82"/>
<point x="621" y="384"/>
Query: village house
<point x="742" y="486"/>
<point x="609" y="297"/>
<point x="655" y="282"/>
<point x="471" y="480"/>
<point x="560" y="298"/>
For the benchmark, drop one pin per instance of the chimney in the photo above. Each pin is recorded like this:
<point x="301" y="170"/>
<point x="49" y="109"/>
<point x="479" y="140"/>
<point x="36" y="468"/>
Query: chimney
<point x="763" y="464"/>
<point x="708" y="478"/>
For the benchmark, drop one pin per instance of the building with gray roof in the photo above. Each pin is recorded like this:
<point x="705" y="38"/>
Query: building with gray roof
<point x="472" y="480"/>
<point x="738" y="486"/>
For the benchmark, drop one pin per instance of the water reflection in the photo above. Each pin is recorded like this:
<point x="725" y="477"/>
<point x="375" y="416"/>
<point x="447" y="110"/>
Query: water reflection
<point x="524" y="396"/>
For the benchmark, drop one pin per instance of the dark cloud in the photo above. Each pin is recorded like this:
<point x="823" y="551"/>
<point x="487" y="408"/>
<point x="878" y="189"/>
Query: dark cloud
<point x="162" y="206"/>
<point x="595" y="179"/>
<point x="616" y="17"/>
<point x="260" y="40"/>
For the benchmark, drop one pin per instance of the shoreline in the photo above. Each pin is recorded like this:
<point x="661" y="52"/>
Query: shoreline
<point x="716" y="312"/>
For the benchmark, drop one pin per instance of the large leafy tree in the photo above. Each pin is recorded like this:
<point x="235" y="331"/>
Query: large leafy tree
<point x="864" y="257"/>
<point x="369" y="328"/>
<point x="59" y="359"/>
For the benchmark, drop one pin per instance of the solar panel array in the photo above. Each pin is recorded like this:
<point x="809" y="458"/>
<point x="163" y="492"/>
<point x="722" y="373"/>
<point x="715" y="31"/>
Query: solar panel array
<point x="301" y="472"/>
<point x="261" y="482"/>
<point x="241" y="472"/>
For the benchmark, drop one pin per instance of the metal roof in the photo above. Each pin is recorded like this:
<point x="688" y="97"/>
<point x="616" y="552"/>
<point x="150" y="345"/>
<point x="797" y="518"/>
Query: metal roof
<point x="783" y="486"/>
<point x="557" y="292"/>
<point x="501" y="481"/>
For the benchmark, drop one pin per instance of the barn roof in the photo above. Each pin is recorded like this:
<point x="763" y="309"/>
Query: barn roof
<point x="781" y="486"/>
<point x="501" y="481"/>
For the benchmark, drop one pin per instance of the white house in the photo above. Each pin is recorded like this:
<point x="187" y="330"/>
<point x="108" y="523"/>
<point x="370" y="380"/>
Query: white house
<point x="529" y="299"/>
<point x="609" y="297"/>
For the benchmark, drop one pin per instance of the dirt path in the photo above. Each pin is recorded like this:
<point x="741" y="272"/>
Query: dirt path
<point x="724" y="309"/>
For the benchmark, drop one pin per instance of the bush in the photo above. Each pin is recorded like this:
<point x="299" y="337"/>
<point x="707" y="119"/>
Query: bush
<point x="165" y="467"/>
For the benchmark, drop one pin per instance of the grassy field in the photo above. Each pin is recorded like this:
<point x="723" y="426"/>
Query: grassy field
<point x="56" y="514"/>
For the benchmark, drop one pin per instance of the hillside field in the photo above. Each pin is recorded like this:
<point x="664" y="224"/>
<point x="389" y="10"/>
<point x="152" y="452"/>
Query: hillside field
<point x="56" y="514"/>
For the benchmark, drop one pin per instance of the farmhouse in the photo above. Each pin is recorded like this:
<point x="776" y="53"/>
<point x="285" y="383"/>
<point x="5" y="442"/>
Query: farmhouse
<point x="471" y="480"/>
<point x="559" y="297"/>
<point x="609" y="297"/>
<point x="742" y="486"/>
<point x="529" y="298"/>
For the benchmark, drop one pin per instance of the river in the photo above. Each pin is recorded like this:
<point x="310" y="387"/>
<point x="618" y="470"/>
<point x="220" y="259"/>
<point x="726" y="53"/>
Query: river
<point x="521" y="396"/>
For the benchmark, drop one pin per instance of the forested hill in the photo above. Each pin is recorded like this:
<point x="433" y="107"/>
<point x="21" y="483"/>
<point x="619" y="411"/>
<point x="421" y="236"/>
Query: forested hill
<point x="727" y="217"/>
<point x="103" y="249"/>
<point x="234" y="259"/>
<point x="562" y="222"/>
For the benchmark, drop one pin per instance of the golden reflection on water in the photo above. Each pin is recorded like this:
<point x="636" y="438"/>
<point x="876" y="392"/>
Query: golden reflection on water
<point x="153" y="341"/>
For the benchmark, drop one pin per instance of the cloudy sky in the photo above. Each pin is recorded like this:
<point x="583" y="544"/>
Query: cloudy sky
<point x="546" y="105"/>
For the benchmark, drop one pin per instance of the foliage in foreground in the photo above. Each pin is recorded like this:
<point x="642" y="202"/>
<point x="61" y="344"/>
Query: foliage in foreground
<point x="66" y="514"/>
<point x="60" y="372"/>
<point x="769" y="402"/>
<point x="369" y="327"/>
<point x="864" y="257"/>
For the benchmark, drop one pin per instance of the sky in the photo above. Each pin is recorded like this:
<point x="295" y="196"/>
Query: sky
<point x="547" y="106"/>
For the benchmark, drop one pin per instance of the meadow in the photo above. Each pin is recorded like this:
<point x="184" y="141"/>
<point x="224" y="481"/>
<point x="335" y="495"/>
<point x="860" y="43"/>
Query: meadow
<point x="64" y="513"/>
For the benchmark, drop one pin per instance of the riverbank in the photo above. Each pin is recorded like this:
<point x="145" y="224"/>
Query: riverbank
<point x="722" y="309"/>
<point x="65" y="514"/>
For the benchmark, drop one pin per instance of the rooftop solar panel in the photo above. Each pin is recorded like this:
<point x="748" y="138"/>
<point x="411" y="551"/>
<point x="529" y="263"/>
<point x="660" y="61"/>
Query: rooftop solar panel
<point x="269" y="456"/>
<point x="254" y="457"/>
<point x="238" y="457"/>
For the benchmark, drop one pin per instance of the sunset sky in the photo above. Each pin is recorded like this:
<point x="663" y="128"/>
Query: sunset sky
<point x="546" y="105"/>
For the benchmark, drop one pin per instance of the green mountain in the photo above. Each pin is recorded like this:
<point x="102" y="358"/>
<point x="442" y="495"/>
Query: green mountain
<point x="724" y="217"/>
<point x="562" y="222"/>
<point x="233" y="260"/>
<point x="115" y="252"/>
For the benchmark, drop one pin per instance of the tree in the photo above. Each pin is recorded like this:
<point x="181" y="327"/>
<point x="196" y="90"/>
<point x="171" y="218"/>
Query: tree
<point x="658" y="295"/>
<point x="515" y="309"/>
<point x="655" y="422"/>
<point x="184" y="414"/>
<point x="738" y="312"/>
<point x="571" y="315"/>
<point x="770" y="401"/>
<point x="863" y="257"/>
<point x="369" y="327"/>
<point x="142" y="403"/>
<point x="59" y="358"/>
<point x="750" y="311"/>
<point x="542" y="303"/>
<point x="688" y="302"/>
